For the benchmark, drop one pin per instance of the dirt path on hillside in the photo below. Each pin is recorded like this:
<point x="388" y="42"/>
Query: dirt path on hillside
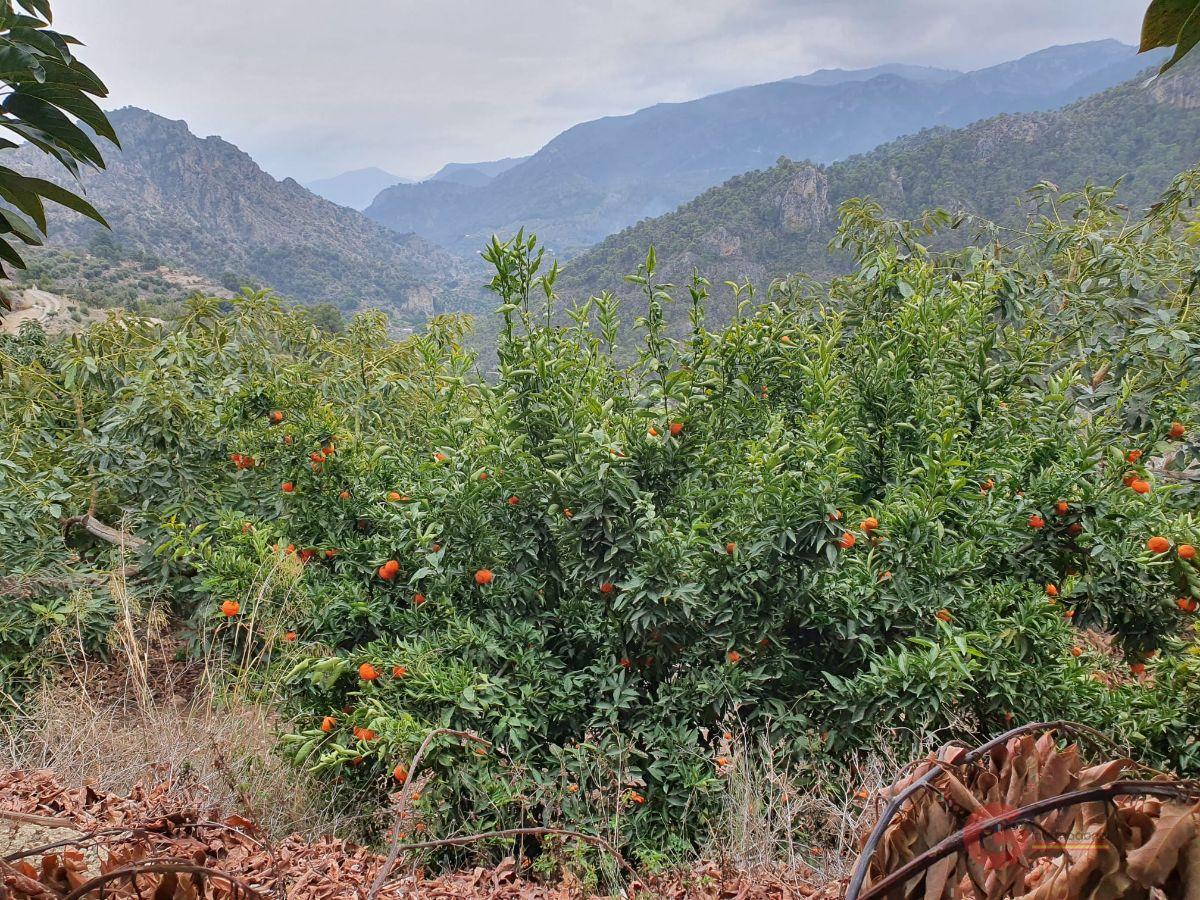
<point x="33" y="305"/>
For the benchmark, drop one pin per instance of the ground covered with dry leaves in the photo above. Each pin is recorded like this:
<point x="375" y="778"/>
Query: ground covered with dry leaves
<point x="98" y="833"/>
<point x="1030" y="814"/>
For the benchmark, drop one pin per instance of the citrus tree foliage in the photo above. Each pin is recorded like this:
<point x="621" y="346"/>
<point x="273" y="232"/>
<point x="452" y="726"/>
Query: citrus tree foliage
<point x="1171" y="23"/>
<point x="48" y="95"/>
<point x="889" y="502"/>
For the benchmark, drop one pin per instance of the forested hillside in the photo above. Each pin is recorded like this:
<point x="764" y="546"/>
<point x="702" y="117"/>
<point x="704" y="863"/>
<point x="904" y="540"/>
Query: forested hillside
<point x="601" y="176"/>
<point x="204" y="204"/>
<point x="777" y="221"/>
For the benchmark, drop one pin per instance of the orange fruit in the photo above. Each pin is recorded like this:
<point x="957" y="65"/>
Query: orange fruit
<point x="484" y="577"/>
<point x="1137" y="669"/>
<point x="1139" y="486"/>
<point x="572" y="788"/>
<point x="1186" y="604"/>
<point x="607" y="587"/>
<point x="847" y="541"/>
<point x="290" y="637"/>
<point x="399" y="671"/>
<point x="1069" y="614"/>
<point x="1133" y="456"/>
<point x="1051" y="590"/>
<point x="1158" y="544"/>
<point x="276" y="416"/>
<point x="637" y="798"/>
<point x="418" y="599"/>
<point x="1074" y="529"/>
<point x="287" y="487"/>
<point x="1077" y="652"/>
<point x="652" y="431"/>
<point x="344" y="495"/>
<point x="400" y="773"/>
<point x="1062" y="507"/>
<point x="1036" y="522"/>
<point x="943" y="615"/>
<point x="835" y="516"/>
<point x="1177" y="430"/>
<point x="676" y="429"/>
<point x="987" y="486"/>
<point x="730" y="548"/>
<point x="870" y="523"/>
<point x="230" y="608"/>
<point x="733" y="657"/>
<point x="393" y="496"/>
<point x="368" y="672"/>
<point x="721" y="761"/>
<point x="1186" y="551"/>
<point x="440" y="457"/>
<point x="513" y="501"/>
<point x="327" y="723"/>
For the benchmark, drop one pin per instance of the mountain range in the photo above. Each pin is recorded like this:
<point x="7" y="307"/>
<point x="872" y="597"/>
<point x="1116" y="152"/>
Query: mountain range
<point x="204" y="204"/>
<point x="601" y="176"/>
<point x="776" y="221"/>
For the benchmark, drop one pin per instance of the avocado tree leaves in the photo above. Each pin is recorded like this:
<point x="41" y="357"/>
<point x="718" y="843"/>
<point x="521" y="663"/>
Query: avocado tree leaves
<point x="1171" y="23"/>
<point x="47" y="104"/>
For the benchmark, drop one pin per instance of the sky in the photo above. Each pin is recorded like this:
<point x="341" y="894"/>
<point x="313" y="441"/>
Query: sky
<point x="311" y="89"/>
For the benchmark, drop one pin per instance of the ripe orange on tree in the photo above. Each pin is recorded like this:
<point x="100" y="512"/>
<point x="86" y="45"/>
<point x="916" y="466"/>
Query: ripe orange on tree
<point x="399" y="671"/>
<point x="1186" y="604"/>
<point x="230" y="608"/>
<point x="484" y="577"/>
<point x="733" y="657"/>
<point x="287" y="487"/>
<point x="1062" y="507"/>
<point x="943" y="615"/>
<point x="418" y="599"/>
<point x="870" y="524"/>
<point x="1177" y="430"/>
<point x="400" y="773"/>
<point x="731" y="548"/>
<point x="1133" y="456"/>
<point x="676" y="429"/>
<point x="607" y="587"/>
<point x="1036" y="522"/>
<point x="1077" y="652"/>
<point x="276" y="416"/>
<point x="327" y="723"/>
<point x="1052" y="590"/>
<point x="847" y="541"/>
<point x="1158" y="544"/>
<point x="513" y="500"/>
<point x="1186" y="551"/>
<point x="368" y="672"/>
<point x="1139" y="486"/>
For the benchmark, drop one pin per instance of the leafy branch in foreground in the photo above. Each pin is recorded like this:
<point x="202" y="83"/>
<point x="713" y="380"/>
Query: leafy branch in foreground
<point x="47" y="93"/>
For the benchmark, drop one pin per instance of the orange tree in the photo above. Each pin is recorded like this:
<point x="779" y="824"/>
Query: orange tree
<point x="887" y="503"/>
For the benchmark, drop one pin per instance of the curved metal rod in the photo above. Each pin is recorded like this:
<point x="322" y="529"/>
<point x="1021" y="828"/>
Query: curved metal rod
<point x="161" y="867"/>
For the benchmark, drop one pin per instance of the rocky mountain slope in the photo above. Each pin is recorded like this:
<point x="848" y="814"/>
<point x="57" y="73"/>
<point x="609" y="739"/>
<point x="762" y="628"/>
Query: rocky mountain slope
<point x="204" y="204"/>
<point x="604" y="175"/>
<point x="780" y="220"/>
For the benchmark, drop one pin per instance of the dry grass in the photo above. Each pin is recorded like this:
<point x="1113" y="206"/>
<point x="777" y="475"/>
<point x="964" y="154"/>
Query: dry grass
<point x="803" y="817"/>
<point x="145" y="716"/>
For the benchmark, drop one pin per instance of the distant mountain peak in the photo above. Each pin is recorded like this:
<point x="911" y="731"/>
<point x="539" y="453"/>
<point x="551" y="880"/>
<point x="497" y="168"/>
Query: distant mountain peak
<point x="357" y="188"/>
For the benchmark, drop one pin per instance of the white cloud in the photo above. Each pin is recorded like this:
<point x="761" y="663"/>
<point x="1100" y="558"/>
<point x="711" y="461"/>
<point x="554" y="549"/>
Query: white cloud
<point x="311" y="88"/>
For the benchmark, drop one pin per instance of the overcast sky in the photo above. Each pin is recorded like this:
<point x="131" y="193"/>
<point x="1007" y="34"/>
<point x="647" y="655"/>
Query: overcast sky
<point x="311" y="88"/>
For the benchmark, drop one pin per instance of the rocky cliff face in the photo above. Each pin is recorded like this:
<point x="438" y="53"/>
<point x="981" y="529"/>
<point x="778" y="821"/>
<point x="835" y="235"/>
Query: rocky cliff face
<point x="204" y="203"/>
<point x="804" y="203"/>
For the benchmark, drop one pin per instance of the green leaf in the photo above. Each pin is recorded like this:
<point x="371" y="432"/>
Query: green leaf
<point x="55" y="123"/>
<point x="1163" y="22"/>
<point x="76" y="103"/>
